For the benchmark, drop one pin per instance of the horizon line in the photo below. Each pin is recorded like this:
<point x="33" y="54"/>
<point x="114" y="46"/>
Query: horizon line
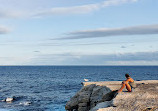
<point x="80" y="65"/>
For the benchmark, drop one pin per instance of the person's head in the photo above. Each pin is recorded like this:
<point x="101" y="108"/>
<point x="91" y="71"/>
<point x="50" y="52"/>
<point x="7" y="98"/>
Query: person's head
<point x="127" y="75"/>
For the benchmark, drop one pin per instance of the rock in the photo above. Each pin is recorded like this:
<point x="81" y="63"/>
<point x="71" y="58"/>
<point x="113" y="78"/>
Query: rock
<point x="87" y="98"/>
<point x="81" y="97"/>
<point x="109" y="96"/>
<point x="82" y="109"/>
<point x="84" y="97"/>
<point x="102" y="96"/>
<point x="97" y="95"/>
<point x="72" y="104"/>
<point x="109" y="109"/>
<point x="82" y="104"/>
<point x="102" y="105"/>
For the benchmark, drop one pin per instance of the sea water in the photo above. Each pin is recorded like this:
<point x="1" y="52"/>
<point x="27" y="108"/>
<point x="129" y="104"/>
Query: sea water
<point x="48" y="88"/>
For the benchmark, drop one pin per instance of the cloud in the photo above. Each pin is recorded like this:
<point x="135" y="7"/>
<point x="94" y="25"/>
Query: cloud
<point x="3" y="14"/>
<point x="11" y="14"/>
<point x="36" y="51"/>
<point x="14" y="60"/>
<point x="68" y="10"/>
<point x="138" y="58"/>
<point x="106" y="32"/>
<point x="4" y="30"/>
<point x="80" y="44"/>
<point x="123" y="47"/>
<point x="83" y="9"/>
<point x="115" y="2"/>
<point x="13" y="11"/>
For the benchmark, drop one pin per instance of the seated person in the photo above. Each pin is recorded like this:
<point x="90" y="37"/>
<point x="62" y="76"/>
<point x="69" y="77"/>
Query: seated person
<point x="128" y="83"/>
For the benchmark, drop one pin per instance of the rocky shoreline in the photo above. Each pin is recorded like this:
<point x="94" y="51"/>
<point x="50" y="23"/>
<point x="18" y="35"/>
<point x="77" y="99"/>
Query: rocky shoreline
<point x="101" y="96"/>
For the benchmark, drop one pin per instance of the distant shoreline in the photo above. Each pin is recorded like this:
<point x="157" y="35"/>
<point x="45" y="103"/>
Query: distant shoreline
<point x="80" y="65"/>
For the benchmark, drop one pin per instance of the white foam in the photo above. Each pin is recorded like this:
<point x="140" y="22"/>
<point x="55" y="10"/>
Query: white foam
<point x="25" y="103"/>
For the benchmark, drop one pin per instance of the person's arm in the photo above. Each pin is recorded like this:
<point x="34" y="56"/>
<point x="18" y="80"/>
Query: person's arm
<point x="130" y="80"/>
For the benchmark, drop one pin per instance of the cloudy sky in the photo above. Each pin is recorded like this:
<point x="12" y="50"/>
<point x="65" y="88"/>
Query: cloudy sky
<point x="78" y="32"/>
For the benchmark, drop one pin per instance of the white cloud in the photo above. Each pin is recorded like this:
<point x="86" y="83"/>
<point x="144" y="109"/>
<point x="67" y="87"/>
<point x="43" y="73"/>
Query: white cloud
<point x="127" y="63"/>
<point x="138" y="58"/>
<point x="11" y="14"/>
<point x="115" y="2"/>
<point x="15" y="10"/>
<point x="81" y="9"/>
<point x="69" y="10"/>
<point x="104" y="32"/>
<point x="4" y="30"/>
<point x="12" y="60"/>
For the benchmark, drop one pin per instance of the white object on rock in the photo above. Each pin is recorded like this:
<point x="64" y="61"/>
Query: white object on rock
<point x="86" y="80"/>
<point x="9" y="99"/>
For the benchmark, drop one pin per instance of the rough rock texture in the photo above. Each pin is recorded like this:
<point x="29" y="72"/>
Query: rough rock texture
<point x="144" y="98"/>
<point x="99" y="96"/>
<point x="87" y="98"/>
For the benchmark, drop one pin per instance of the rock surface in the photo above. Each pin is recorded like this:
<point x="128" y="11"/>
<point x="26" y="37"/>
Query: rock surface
<point x="99" y="96"/>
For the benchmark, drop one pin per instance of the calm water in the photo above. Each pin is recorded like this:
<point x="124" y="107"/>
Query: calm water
<point x="47" y="88"/>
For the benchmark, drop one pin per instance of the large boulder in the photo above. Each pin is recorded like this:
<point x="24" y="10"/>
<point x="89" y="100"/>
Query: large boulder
<point x="88" y="97"/>
<point x="81" y="100"/>
<point x="97" y="95"/>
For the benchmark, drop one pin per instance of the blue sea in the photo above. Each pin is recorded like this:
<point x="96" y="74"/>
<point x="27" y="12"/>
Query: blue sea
<point x="48" y="88"/>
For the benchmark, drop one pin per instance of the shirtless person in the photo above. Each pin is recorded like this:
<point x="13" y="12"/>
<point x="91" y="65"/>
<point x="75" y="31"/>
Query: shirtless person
<point x="129" y="83"/>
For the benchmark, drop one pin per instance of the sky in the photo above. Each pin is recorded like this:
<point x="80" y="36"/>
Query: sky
<point x="78" y="32"/>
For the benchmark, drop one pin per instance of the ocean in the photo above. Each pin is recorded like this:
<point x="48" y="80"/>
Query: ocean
<point x="48" y="88"/>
